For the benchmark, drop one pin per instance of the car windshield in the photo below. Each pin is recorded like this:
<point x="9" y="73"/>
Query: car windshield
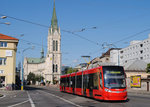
<point x="114" y="77"/>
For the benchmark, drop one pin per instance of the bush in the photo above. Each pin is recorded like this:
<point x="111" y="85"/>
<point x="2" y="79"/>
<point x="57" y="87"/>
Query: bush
<point x="148" y="68"/>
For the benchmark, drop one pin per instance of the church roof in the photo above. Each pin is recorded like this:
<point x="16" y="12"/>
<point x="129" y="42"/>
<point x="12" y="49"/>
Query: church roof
<point x="35" y="60"/>
<point x="54" y="24"/>
<point x="54" y="18"/>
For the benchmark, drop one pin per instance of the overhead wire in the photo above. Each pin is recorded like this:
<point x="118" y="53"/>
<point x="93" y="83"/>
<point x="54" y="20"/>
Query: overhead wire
<point x="145" y="30"/>
<point x="26" y="21"/>
<point x="30" y="22"/>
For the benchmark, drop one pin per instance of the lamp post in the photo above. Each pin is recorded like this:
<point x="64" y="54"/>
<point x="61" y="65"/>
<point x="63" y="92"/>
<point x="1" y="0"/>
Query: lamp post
<point x="3" y="17"/>
<point x="22" y="79"/>
<point x="6" y="23"/>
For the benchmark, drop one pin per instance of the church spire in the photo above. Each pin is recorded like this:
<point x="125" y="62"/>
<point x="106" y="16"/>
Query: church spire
<point x="54" y="24"/>
<point x="42" y="51"/>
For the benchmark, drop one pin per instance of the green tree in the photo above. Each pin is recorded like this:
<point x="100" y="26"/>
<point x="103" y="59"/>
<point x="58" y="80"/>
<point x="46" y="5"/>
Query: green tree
<point x="31" y="77"/>
<point x="70" y="70"/>
<point x="148" y="68"/>
<point x="39" y="78"/>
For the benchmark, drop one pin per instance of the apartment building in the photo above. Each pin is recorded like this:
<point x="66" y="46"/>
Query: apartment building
<point x="8" y="48"/>
<point x="136" y="52"/>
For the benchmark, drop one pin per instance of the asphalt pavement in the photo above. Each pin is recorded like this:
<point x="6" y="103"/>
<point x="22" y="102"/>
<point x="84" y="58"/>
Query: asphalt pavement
<point x="42" y="96"/>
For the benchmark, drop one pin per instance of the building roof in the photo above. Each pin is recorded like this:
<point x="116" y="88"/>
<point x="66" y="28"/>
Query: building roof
<point x="35" y="60"/>
<point x="108" y="52"/>
<point x="54" y="24"/>
<point x="5" y="37"/>
<point x="137" y="65"/>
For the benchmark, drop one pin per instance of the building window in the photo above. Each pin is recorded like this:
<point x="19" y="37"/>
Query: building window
<point x="56" y="67"/>
<point x="141" y="51"/>
<point x="121" y="52"/>
<point x="1" y="71"/>
<point x="3" y="44"/>
<point x="56" y="45"/>
<point x="53" y="45"/>
<point x="121" y="57"/>
<point x="141" y="58"/>
<point x="107" y="59"/>
<point x="141" y="45"/>
<point x="53" y="68"/>
<point x="2" y="61"/>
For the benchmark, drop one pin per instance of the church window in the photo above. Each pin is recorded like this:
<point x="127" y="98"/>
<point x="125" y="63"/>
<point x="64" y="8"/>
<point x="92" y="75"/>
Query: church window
<point x="56" y="45"/>
<point x="53" y="68"/>
<point x="53" y="45"/>
<point x="56" y="67"/>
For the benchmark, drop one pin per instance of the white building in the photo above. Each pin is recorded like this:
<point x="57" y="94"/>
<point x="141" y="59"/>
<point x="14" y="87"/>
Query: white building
<point x="136" y="51"/>
<point x="114" y="56"/>
<point x="50" y="66"/>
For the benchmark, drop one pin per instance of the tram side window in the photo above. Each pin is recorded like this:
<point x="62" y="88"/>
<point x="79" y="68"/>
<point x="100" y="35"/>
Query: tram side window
<point x="85" y="81"/>
<point x="100" y="76"/>
<point x="73" y="81"/>
<point x="67" y="83"/>
<point x="95" y="80"/>
<point x="90" y="84"/>
<point x="79" y="81"/>
<point x="62" y="82"/>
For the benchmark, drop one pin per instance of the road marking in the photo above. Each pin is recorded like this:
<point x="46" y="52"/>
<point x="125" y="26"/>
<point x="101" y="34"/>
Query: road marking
<point x="31" y="102"/>
<point x="18" y="103"/>
<point x="63" y="99"/>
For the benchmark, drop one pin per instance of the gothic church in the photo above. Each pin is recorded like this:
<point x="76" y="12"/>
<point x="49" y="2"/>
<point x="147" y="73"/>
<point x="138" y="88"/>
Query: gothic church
<point x="50" y="66"/>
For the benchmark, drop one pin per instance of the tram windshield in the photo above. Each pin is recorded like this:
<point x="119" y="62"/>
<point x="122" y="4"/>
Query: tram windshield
<point x="114" y="77"/>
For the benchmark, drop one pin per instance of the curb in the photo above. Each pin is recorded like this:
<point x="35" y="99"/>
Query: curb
<point x="140" y="92"/>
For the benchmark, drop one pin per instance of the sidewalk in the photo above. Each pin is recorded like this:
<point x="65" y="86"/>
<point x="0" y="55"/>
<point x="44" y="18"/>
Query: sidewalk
<point x="138" y="91"/>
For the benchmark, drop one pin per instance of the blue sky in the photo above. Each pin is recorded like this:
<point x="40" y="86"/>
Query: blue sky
<point x="114" y="19"/>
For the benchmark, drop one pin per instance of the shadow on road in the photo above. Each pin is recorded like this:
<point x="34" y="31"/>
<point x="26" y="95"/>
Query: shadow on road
<point x="32" y="88"/>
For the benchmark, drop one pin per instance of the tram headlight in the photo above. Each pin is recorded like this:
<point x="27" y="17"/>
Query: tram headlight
<point x="107" y="90"/>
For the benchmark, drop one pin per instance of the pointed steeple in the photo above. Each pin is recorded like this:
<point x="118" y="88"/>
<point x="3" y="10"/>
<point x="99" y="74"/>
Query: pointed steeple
<point x="42" y="51"/>
<point x="54" y="24"/>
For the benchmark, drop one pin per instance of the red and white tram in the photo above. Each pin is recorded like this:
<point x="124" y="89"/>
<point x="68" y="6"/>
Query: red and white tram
<point x="103" y="82"/>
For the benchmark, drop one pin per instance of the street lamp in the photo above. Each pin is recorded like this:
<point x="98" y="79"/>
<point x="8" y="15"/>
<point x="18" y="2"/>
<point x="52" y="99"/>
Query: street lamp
<point x="22" y="65"/>
<point x="6" y="23"/>
<point x="3" y="17"/>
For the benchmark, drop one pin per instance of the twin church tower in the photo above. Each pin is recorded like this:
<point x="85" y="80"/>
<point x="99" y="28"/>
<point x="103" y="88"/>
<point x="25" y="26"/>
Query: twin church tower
<point x="50" y="66"/>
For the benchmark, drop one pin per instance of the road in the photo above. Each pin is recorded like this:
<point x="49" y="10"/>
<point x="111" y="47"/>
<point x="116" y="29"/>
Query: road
<point x="52" y="97"/>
